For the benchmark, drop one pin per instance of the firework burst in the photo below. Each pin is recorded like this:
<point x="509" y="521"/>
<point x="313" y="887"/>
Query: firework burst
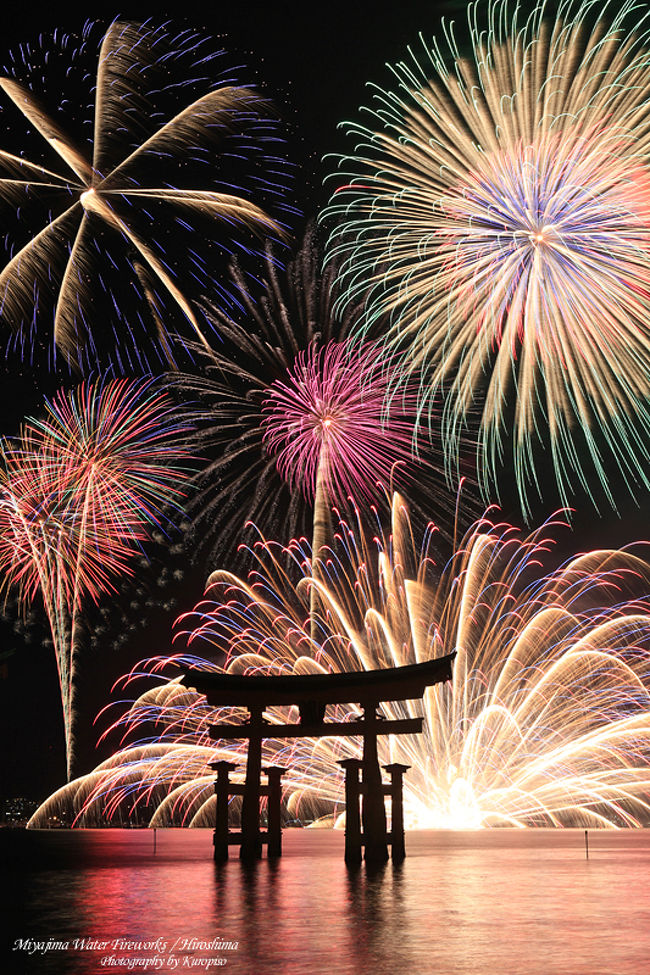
<point x="79" y="491"/>
<point x="499" y="212"/>
<point x="270" y="395"/>
<point x="326" y="421"/>
<point x="170" y="153"/>
<point x="546" y="721"/>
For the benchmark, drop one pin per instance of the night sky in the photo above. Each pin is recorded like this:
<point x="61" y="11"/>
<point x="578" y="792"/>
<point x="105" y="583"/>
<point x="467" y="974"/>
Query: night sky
<point x="314" y="61"/>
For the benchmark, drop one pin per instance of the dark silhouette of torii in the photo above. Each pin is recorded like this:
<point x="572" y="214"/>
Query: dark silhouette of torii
<point x="312" y="693"/>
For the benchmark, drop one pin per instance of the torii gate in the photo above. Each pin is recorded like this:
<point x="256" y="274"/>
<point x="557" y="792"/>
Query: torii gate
<point x="312" y="693"/>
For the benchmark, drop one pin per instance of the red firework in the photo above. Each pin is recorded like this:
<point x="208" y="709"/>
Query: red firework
<point x="78" y="493"/>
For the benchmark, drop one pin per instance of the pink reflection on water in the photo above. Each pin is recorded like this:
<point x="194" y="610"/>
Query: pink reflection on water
<point x="461" y="904"/>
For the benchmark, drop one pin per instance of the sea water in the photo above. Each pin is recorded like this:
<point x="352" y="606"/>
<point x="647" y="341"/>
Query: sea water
<point x="502" y="902"/>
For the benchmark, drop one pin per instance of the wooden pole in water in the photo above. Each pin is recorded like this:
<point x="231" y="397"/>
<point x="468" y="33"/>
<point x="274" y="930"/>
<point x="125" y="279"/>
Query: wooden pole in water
<point x="274" y="811"/>
<point x="251" y="844"/>
<point x="222" y="793"/>
<point x="586" y="844"/>
<point x="352" y="811"/>
<point x="373" y="812"/>
<point x="396" y="772"/>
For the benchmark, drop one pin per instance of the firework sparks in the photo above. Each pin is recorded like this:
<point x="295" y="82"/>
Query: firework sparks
<point x="546" y="722"/>
<point x="170" y="158"/>
<point x="326" y="419"/>
<point x="78" y="493"/>
<point x="286" y="350"/>
<point x="499" y="212"/>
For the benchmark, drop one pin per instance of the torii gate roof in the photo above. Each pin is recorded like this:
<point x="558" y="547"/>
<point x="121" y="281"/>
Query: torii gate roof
<point x="358" y="687"/>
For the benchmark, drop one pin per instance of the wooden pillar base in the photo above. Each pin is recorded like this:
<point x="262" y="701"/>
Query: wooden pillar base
<point x="352" y="767"/>
<point x="396" y="772"/>
<point x="274" y="811"/>
<point x="373" y="812"/>
<point x="222" y="792"/>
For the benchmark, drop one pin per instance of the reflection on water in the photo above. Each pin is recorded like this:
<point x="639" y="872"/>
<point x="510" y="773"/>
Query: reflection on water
<point x="504" y="901"/>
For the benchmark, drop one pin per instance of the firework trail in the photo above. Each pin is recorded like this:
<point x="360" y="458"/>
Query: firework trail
<point x="171" y="152"/>
<point x="498" y="209"/>
<point x="325" y="426"/>
<point x="79" y="492"/>
<point x="270" y="395"/>
<point x="546" y="721"/>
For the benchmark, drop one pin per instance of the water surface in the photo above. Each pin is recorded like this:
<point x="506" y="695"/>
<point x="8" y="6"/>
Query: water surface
<point x="501" y="901"/>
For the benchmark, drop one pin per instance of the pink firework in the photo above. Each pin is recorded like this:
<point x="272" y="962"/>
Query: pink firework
<point x="329" y="420"/>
